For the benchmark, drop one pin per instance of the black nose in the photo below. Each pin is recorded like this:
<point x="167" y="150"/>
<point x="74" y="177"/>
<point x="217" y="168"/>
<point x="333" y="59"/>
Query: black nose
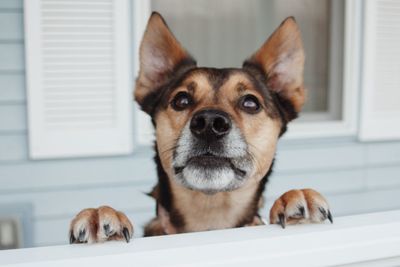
<point x="210" y="124"/>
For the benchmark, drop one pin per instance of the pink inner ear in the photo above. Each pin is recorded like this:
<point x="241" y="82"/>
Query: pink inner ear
<point x="287" y="70"/>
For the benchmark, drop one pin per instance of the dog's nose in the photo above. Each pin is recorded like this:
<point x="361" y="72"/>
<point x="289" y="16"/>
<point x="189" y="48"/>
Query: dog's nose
<point x="210" y="124"/>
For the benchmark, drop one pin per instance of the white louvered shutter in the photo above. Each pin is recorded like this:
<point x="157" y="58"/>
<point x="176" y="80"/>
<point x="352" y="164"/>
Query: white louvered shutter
<point x="380" y="103"/>
<point x="79" y="85"/>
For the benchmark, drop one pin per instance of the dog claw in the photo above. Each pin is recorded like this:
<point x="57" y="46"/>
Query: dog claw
<point x="107" y="230"/>
<point x="281" y="220"/>
<point x="302" y="211"/>
<point x="326" y="215"/>
<point x="81" y="236"/>
<point x="330" y="216"/>
<point x="71" y="238"/>
<point x="126" y="234"/>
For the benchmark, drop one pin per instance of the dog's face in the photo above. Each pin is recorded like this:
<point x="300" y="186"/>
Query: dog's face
<point x="217" y="129"/>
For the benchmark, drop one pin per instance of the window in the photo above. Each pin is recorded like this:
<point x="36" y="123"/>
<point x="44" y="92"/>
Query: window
<point x="223" y="33"/>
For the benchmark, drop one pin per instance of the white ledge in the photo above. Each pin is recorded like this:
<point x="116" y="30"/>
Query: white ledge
<point x="368" y="239"/>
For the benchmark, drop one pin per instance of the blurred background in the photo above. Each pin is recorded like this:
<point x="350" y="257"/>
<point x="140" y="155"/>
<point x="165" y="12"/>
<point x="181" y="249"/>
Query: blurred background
<point x="71" y="136"/>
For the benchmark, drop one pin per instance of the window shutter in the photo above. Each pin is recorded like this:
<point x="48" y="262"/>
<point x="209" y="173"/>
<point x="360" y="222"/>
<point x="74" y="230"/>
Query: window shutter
<point x="78" y="70"/>
<point x="380" y="103"/>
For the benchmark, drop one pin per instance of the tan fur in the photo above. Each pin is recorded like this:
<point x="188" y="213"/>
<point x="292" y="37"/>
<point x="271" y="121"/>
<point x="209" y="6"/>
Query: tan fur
<point x="225" y="209"/>
<point x="284" y="205"/>
<point x="92" y="221"/>
<point x="206" y="212"/>
<point x="282" y="57"/>
<point x="165" y="53"/>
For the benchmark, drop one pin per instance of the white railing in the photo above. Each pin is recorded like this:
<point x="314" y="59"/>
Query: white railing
<point x="361" y="240"/>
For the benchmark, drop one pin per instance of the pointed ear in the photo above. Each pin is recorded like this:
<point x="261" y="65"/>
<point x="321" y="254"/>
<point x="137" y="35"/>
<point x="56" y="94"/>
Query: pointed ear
<point x="161" y="56"/>
<point x="281" y="58"/>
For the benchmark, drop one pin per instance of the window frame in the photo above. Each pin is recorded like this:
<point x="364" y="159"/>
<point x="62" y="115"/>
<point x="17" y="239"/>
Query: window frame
<point x="302" y="129"/>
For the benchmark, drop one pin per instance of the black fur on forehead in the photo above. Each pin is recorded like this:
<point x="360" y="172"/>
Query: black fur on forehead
<point x="276" y="106"/>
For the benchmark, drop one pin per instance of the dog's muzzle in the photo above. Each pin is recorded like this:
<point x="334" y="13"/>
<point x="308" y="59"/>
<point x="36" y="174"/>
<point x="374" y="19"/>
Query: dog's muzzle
<point x="211" y="154"/>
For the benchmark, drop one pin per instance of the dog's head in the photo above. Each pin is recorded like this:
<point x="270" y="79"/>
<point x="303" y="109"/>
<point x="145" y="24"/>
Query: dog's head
<point x="217" y="129"/>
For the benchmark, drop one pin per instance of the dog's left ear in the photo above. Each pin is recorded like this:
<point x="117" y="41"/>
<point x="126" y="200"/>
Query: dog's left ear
<point x="161" y="56"/>
<point x="281" y="58"/>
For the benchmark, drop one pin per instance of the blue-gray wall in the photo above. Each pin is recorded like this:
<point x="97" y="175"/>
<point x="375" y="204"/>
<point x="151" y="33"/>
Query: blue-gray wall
<point x="355" y="177"/>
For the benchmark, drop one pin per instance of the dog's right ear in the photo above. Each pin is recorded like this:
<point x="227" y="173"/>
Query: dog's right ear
<point x="161" y="56"/>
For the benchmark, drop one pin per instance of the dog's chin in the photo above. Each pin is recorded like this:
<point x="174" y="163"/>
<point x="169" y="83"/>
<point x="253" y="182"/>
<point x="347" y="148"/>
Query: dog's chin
<point x="210" y="175"/>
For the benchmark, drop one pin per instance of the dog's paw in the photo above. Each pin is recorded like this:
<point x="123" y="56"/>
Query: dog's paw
<point x="99" y="225"/>
<point x="300" y="206"/>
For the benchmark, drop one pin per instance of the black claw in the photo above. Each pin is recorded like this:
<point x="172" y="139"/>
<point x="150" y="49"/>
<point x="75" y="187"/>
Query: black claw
<point x="330" y="216"/>
<point x="323" y="211"/>
<point x="126" y="234"/>
<point x="81" y="236"/>
<point x="71" y="237"/>
<point x="106" y="228"/>
<point x="281" y="220"/>
<point x="302" y="211"/>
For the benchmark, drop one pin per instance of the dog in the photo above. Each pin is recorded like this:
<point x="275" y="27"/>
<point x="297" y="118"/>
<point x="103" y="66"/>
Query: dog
<point x="216" y="135"/>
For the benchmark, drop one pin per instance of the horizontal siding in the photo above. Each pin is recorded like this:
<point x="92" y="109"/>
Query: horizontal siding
<point x="383" y="177"/>
<point x="12" y="149"/>
<point x="12" y="89"/>
<point x="326" y="182"/>
<point x="324" y="156"/>
<point x="383" y="153"/>
<point x="10" y="4"/>
<point x="352" y="164"/>
<point x="75" y="173"/>
<point x="66" y="203"/>
<point x="11" y="57"/>
<point x="13" y="118"/>
<point x="11" y="26"/>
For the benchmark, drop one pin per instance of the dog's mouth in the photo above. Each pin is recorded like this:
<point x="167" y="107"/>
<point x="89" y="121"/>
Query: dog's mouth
<point x="212" y="166"/>
<point x="211" y="162"/>
<point x="210" y="174"/>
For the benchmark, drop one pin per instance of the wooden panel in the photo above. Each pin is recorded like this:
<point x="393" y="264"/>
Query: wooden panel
<point x="11" y="4"/>
<point x="12" y="88"/>
<point x="11" y="26"/>
<point x="52" y="175"/>
<point x="66" y="203"/>
<point x="11" y="57"/>
<point x="55" y="232"/>
<point x="12" y="118"/>
<point x="12" y="148"/>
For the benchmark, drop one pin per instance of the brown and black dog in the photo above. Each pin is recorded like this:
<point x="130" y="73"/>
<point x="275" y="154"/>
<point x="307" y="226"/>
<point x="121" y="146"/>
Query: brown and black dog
<point x="216" y="136"/>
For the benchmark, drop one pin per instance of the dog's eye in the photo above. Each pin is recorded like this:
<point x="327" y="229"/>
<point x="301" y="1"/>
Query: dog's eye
<point x="181" y="101"/>
<point x="250" y="104"/>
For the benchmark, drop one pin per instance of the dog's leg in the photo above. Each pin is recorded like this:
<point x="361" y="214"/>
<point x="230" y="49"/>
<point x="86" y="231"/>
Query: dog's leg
<point x="99" y="225"/>
<point x="300" y="206"/>
<point x="256" y="221"/>
<point x="161" y="225"/>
